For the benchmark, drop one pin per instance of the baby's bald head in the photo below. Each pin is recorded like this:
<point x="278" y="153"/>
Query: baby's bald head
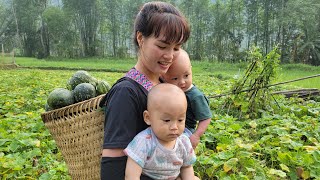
<point x="165" y="93"/>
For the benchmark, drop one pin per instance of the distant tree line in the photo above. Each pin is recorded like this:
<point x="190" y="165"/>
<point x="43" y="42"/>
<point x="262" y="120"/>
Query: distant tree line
<point x="222" y="30"/>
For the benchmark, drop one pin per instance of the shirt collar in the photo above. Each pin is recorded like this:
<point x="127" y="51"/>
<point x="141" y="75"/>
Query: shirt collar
<point x="140" y="78"/>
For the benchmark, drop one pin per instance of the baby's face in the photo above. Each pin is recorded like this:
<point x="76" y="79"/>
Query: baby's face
<point x="168" y="120"/>
<point x="180" y="75"/>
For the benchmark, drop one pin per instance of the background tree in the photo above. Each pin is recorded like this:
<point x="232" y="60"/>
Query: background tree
<point x="113" y="17"/>
<point x="220" y="30"/>
<point x="44" y="46"/>
<point x="61" y="35"/>
<point x="252" y="21"/>
<point x="6" y="23"/>
<point x="26" y="16"/>
<point x="85" y="16"/>
<point x="235" y="10"/>
<point x="305" y="38"/>
<point x="198" y="12"/>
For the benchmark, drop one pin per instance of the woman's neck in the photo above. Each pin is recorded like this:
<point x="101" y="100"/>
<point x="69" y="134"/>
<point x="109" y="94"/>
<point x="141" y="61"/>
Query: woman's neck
<point x="154" y="78"/>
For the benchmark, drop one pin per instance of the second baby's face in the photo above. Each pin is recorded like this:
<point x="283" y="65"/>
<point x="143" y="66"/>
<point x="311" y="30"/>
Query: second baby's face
<point x="180" y="74"/>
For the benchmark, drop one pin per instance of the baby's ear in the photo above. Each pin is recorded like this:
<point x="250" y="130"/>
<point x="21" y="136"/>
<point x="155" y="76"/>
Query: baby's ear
<point x="146" y="117"/>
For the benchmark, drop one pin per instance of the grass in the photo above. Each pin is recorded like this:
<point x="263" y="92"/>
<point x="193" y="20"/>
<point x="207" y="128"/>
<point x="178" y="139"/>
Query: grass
<point x="295" y="71"/>
<point x="200" y="68"/>
<point x="287" y="72"/>
<point x="92" y="63"/>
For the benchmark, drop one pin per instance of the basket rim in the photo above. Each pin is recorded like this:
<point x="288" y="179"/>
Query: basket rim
<point x="91" y="103"/>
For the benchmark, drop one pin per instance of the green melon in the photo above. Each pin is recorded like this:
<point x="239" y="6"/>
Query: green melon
<point x="47" y="107"/>
<point x="102" y="87"/>
<point x="60" y="97"/>
<point x="80" y="77"/>
<point x="83" y="92"/>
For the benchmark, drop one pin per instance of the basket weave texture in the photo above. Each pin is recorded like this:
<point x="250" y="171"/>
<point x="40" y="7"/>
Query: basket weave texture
<point x="78" y="132"/>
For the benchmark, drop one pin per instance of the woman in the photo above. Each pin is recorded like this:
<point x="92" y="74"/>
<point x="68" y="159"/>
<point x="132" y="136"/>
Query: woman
<point x="159" y="31"/>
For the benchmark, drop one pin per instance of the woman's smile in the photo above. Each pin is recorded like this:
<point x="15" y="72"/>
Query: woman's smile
<point x="164" y="64"/>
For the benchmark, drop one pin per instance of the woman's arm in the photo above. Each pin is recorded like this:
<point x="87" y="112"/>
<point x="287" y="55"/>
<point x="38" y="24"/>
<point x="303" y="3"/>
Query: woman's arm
<point x="124" y="97"/>
<point x="202" y="127"/>
<point x="133" y="170"/>
<point x="112" y="153"/>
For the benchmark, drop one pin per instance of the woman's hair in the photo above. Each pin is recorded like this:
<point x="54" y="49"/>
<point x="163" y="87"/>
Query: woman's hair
<point x="157" y="18"/>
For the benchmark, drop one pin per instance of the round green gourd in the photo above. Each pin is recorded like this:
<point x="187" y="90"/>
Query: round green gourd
<point x="102" y="87"/>
<point x="60" y="97"/>
<point x="47" y="107"/>
<point x="83" y="92"/>
<point x="80" y="77"/>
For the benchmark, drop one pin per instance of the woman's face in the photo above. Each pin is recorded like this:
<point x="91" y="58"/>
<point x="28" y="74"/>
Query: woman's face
<point x="156" y="55"/>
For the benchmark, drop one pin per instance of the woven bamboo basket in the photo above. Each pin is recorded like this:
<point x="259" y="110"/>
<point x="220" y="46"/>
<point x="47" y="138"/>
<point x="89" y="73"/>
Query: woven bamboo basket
<point x="78" y="132"/>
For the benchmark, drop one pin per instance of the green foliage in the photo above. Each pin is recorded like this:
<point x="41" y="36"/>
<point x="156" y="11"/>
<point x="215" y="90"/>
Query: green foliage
<point x="305" y="42"/>
<point x="251" y="93"/>
<point x="281" y="144"/>
<point x="86" y="17"/>
<point x="62" y="37"/>
<point x="27" y="150"/>
<point x="26" y="146"/>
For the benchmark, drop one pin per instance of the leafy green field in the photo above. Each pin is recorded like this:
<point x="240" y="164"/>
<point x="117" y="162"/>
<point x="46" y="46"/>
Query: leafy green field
<point x="288" y="72"/>
<point x="284" y="143"/>
<point x="27" y="150"/>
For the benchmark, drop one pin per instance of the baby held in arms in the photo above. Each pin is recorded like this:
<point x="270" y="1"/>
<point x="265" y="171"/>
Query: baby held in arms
<point x="162" y="151"/>
<point x="198" y="111"/>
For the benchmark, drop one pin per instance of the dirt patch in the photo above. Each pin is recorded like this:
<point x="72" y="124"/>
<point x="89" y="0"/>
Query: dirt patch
<point x="8" y="66"/>
<point x="301" y="93"/>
